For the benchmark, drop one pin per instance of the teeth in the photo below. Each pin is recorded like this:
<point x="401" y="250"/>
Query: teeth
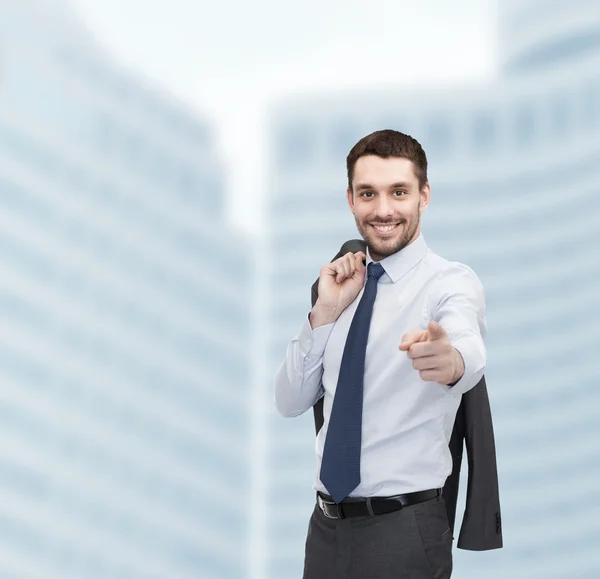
<point x="384" y="227"/>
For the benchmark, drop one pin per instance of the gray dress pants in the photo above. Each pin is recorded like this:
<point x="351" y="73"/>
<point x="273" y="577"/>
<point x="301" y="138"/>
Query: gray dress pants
<point x="412" y="543"/>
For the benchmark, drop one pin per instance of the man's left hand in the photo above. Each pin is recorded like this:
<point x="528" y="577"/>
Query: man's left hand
<point x="433" y="354"/>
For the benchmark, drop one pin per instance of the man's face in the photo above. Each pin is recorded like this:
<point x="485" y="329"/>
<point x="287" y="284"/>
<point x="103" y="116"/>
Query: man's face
<point x="387" y="203"/>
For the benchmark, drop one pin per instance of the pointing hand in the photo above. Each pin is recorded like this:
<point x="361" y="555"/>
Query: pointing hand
<point x="433" y="355"/>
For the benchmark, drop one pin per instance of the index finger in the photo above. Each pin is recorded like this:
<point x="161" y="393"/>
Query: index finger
<point x="411" y="338"/>
<point x="422" y="349"/>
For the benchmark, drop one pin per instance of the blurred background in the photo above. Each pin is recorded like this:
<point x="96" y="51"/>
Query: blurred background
<point x="172" y="177"/>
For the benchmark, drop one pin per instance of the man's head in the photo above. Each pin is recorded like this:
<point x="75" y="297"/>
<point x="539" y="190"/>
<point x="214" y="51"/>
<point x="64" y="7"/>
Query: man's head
<point x="387" y="190"/>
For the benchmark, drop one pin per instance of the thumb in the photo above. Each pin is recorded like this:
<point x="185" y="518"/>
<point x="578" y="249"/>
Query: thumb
<point x="436" y="332"/>
<point x="411" y="338"/>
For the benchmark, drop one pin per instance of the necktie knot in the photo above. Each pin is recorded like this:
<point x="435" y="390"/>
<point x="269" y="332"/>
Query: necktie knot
<point x="375" y="270"/>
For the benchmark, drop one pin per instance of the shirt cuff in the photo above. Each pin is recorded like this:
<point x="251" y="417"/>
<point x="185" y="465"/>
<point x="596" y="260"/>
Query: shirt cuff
<point x="473" y="354"/>
<point x="313" y="342"/>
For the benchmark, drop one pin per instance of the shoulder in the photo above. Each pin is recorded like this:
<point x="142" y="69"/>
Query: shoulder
<point x="452" y="274"/>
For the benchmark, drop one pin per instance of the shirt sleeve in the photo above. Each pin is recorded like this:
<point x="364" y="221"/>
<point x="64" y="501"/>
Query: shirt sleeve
<point x="298" y="380"/>
<point x="458" y="305"/>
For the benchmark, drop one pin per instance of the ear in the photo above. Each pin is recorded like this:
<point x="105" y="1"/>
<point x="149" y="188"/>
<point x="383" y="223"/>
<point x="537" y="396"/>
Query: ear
<point x="350" y="198"/>
<point x="425" y="195"/>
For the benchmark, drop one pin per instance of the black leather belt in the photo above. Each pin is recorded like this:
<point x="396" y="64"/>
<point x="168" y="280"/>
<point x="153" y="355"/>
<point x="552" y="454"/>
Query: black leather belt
<point x="369" y="507"/>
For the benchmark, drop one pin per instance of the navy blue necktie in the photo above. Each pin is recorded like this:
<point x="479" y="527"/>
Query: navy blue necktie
<point x="340" y="466"/>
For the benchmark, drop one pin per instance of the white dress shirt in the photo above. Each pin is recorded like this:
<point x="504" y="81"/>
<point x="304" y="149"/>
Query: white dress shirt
<point x="407" y="422"/>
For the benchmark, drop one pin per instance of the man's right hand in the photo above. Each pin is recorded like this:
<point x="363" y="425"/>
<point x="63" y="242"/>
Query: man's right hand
<point x="339" y="283"/>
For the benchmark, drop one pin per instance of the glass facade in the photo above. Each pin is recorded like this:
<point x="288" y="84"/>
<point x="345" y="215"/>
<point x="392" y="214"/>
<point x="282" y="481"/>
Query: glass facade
<point x="515" y="181"/>
<point x="125" y="304"/>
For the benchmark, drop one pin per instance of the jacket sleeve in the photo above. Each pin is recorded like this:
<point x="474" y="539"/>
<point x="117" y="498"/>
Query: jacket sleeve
<point x="481" y="528"/>
<point x="456" y="446"/>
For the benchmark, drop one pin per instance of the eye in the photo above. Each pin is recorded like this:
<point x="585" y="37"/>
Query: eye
<point x="367" y="194"/>
<point x="399" y="192"/>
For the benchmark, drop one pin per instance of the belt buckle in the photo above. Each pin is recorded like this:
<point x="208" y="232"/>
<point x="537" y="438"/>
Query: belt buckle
<point x="322" y="505"/>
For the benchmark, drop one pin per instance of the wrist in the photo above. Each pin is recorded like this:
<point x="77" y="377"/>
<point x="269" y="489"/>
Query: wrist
<point x="458" y="365"/>
<point x="322" y="316"/>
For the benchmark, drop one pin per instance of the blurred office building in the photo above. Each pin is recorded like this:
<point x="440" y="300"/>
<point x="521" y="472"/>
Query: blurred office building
<point x="515" y="178"/>
<point x="124" y="396"/>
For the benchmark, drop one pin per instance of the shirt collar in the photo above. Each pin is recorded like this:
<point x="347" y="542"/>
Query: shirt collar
<point x="401" y="262"/>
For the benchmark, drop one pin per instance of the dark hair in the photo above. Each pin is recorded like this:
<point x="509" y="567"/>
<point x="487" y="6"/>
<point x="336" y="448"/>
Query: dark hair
<point x="389" y="143"/>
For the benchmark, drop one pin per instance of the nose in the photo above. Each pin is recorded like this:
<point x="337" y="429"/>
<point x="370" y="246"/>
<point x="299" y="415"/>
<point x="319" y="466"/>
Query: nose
<point x="384" y="209"/>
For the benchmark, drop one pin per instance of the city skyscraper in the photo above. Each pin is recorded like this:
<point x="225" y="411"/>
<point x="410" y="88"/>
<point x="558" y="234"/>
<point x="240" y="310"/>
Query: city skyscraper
<point x="125" y="308"/>
<point x="514" y="173"/>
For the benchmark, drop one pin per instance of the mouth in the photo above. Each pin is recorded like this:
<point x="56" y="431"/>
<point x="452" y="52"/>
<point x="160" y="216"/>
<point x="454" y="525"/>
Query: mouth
<point x="385" y="229"/>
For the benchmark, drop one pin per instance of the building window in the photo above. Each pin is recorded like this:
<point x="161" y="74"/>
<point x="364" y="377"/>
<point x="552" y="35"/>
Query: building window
<point x="559" y="116"/>
<point x="591" y="98"/>
<point x="483" y="131"/>
<point x="437" y="139"/>
<point x="295" y="146"/>
<point x="393" y="120"/>
<point x="559" y="50"/>
<point x="524" y="124"/>
<point x="343" y="137"/>
<point x="36" y="93"/>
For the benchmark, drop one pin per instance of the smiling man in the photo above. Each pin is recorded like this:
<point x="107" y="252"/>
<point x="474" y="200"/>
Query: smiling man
<point x="392" y="342"/>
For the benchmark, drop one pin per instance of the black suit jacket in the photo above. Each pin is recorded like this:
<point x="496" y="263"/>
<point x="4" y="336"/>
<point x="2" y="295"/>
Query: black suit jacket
<point x="481" y="528"/>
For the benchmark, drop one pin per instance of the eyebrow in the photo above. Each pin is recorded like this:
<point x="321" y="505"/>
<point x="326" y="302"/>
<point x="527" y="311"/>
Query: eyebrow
<point x="399" y="185"/>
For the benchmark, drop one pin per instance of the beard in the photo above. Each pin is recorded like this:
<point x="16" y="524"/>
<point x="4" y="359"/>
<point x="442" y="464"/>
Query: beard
<point x="381" y="248"/>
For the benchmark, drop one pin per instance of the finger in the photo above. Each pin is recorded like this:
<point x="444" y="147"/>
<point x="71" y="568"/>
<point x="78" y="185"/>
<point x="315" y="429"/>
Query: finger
<point x="433" y="375"/>
<point x="436" y="332"/>
<point x="340" y="271"/>
<point x="424" y="348"/>
<point x="350" y="265"/>
<point x="426" y="363"/>
<point x="358" y="262"/>
<point x="348" y="262"/>
<point x="411" y="338"/>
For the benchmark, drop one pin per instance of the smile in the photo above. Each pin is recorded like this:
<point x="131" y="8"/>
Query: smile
<point x="385" y="228"/>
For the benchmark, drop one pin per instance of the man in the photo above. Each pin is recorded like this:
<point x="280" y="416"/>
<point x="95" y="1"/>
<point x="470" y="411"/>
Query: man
<point x="390" y="347"/>
<point x="473" y="432"/>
